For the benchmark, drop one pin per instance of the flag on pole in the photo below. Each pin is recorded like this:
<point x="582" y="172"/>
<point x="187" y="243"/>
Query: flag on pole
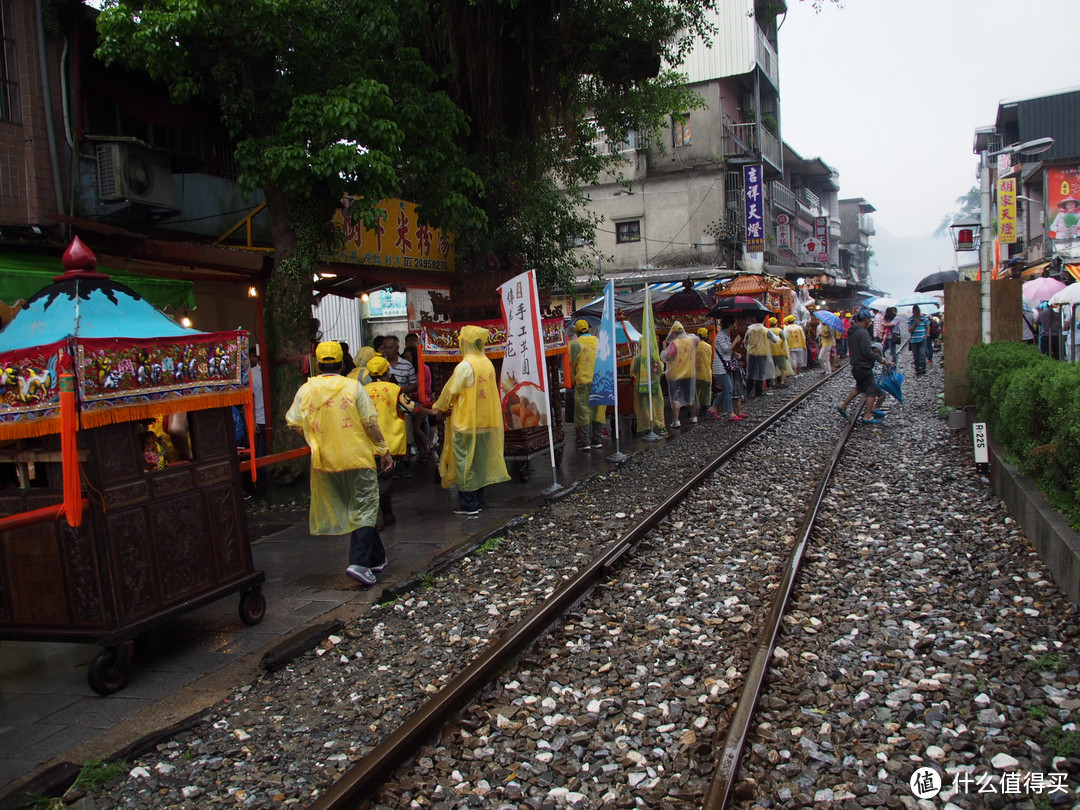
<point x="649" y="347"/>
<point x="523" y="384"/>
<point x="603" y="381"/>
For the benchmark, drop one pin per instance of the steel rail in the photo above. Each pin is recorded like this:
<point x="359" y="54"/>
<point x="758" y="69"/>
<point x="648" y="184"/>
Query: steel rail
<point x="361" y="781"/>
<point x="723" y="784"/>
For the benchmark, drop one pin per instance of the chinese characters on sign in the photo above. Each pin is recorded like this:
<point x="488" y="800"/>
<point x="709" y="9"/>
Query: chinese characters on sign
<point x="821" y="232"/>
<point x="1063" y="207"/>
<point x="1007" y="209"/>
<point x="398" y="240"/>
<point x="926" y="783"/>
<point x="755" y="219"/>
<point x="523" y="379"/>
<point x="783" y="231"/>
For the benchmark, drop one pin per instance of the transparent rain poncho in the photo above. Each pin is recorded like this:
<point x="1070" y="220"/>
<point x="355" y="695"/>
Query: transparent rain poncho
<point x="473" y="457"/>
<point x="645" y="374"/>
<point x="338" y="419"/>
<point x="680" y="355"/>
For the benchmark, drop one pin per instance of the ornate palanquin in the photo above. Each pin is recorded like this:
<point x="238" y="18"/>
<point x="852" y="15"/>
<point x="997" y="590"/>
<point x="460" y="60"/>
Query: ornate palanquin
<point x="95" y="543"/>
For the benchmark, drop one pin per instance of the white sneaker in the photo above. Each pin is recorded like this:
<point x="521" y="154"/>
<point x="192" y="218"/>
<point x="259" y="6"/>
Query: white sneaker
<point x="693" y="420"/>
<point x="360" y="574"/>
<point x="676" y="424"/>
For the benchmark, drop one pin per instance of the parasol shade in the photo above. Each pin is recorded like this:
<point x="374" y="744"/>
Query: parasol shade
<point x="1042" y="289"/>
<point x="937" y="281"/>
<point x="1067" y="295"/>
<point x="737" y="303"/>
<point x="830" y="320"/>
<point x="918" y="300"/>
<point x="129" y="360"/>
<point x="880" y="304"/>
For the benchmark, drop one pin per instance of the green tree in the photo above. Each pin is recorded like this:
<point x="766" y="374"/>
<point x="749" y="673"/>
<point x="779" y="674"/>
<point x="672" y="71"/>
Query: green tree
<point x="324" y="98"/>
<point x="969" y="207"/>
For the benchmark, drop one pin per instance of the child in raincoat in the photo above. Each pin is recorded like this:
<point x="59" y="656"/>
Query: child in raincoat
<point x="473" y="456"/>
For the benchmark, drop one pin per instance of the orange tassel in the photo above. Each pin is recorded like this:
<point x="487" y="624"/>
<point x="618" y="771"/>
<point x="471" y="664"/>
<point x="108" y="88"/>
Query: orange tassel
<point x="69" y="449"/>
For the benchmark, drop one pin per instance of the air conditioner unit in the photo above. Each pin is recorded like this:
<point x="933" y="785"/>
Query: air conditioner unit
<point x="134" y="173"/>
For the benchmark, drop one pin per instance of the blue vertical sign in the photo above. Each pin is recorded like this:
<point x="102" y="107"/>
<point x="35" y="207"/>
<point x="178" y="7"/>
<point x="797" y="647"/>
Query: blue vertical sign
<point x="603" y="381"/>
<point x="755" y="213"/>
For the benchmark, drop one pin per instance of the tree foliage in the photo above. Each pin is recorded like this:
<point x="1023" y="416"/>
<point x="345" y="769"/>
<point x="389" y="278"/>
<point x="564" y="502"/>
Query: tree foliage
<point x="969" y="207"/>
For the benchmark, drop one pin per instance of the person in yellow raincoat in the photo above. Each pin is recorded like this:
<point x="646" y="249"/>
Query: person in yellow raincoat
<point x="361" y="372"/>
<point x="394" y="407"/>
<point x="702" y="374"/>
<point x="645" y="374"/>
<point x="340" y="425"/>
<point x="588" y="422"/>
<point x="680" y="355"/>
<point x="796" y="339"/>
<point x="473" y="454"/>
<point x="780" y="352"/>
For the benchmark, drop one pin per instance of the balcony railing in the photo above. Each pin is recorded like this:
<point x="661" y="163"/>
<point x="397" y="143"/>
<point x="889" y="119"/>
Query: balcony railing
<point x="766" y="58"/>
<point x="783" y="197"/>
<point x="866" y="224"/>
<point x="753" y="140"/>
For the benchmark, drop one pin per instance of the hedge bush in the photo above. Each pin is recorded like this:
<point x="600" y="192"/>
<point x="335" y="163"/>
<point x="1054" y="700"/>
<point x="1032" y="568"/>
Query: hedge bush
<point x="1031" y="404"/>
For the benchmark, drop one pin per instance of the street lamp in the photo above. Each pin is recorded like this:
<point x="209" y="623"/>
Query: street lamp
<point x="985" y="271"/>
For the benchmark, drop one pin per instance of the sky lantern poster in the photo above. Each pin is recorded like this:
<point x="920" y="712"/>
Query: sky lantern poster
<point x="523" y="379"/>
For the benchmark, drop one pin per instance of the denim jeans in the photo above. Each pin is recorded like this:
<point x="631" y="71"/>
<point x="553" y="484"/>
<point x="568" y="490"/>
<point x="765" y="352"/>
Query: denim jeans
<point x="918" y="354"/>
<point x="723" y="396"/>
<point x="471" y="501"/>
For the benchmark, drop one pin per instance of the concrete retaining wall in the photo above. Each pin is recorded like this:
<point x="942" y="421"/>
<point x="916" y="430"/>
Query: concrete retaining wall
<point x="1056" y="541"/>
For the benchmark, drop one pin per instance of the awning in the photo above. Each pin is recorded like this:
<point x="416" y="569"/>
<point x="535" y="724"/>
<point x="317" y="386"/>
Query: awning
<point x="1036" y="270"/>
<point x="23" y="274"/>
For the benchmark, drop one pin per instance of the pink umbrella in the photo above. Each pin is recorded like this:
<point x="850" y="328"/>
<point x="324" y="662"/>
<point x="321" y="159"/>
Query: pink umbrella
<point x="1042" y="288"/>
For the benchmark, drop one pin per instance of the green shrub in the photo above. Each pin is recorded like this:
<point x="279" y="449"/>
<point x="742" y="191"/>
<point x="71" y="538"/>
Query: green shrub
<point x="1031" y="404"/>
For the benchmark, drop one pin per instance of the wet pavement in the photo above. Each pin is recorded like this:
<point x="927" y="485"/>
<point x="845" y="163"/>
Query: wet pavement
<point x="49" y="714"/>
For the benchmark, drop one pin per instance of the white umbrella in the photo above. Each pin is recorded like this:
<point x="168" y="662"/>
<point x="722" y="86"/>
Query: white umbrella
<point x="880" y="304"/>
<point x="919" y="300"/>
<point x="1067" y="295"/>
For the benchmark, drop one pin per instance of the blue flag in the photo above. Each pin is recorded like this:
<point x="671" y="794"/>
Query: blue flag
<point x="603" y="381"/>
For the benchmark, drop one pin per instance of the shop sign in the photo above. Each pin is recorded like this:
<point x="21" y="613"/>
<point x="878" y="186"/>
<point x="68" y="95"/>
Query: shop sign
<point x="398" y="241"/>
<point x="755" y="219"/>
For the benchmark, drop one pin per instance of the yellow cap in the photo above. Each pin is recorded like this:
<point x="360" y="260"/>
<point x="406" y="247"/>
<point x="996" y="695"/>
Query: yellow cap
<point x="377" y="366"/>
<point x="773" y="321"/>
<point x="789" y="319"/>
<point x="582" y="326"/>
<point x="703" y="332"/>
<point x="329" y="351"/>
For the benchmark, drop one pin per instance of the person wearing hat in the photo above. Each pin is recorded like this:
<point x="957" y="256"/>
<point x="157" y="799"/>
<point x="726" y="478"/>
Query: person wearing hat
<point x="863" y="360"/>
<point x="759" y="363"/>
<point x="680" y="355"/>
<point x="703" y="378"/>
<point x="796" y="340"/>
<point x="472" y="458"/>
<point x="780" y="352"/>
<point x="588" y="422"/>
<point x="393" y="406"/>
<point x="360" y="372"/>
<point x="341" y="426"/>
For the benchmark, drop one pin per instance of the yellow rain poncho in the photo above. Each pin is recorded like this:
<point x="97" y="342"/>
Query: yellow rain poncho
<point x="582" y="364"/>
<point x="360" y="373"/>
<point x="680" y="354"/>
<point x="473" y="457"/>
<point x="341" y="426"/>
<point x="387" y="396"/>
<point x="645" y="377"/>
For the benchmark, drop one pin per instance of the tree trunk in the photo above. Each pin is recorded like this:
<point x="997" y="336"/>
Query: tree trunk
<point x="297" y="227"/>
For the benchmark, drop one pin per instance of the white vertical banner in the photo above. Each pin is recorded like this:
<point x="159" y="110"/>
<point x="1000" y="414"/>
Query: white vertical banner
<point x="523" y="383"/>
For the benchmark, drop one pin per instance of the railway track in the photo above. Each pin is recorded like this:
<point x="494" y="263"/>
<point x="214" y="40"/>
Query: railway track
<point x="491" y="683"/>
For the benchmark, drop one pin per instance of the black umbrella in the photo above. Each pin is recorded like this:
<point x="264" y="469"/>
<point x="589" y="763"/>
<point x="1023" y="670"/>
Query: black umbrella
<point x="937" y="281"/>
<point x="737" y="303"/>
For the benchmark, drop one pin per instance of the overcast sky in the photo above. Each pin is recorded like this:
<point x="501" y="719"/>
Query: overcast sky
<point x="889" y="93"/>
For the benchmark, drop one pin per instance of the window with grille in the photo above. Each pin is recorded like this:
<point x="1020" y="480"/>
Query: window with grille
<point x="9" y="70"/>
<point x="629" y="231"/>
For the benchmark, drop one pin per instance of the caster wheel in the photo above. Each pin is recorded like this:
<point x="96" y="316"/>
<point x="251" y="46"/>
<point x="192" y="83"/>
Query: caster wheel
<point x="252" y="606"/>
<point x="525" y="472"/>
<point x="110" y="671"/>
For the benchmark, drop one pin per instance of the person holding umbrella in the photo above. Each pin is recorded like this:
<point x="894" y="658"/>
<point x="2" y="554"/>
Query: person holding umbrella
<point x="863" y="360"/>
<point x="918" y="331"/>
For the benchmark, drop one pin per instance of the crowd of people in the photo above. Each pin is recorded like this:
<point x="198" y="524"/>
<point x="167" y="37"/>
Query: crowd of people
<point x="359" y="416"/>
